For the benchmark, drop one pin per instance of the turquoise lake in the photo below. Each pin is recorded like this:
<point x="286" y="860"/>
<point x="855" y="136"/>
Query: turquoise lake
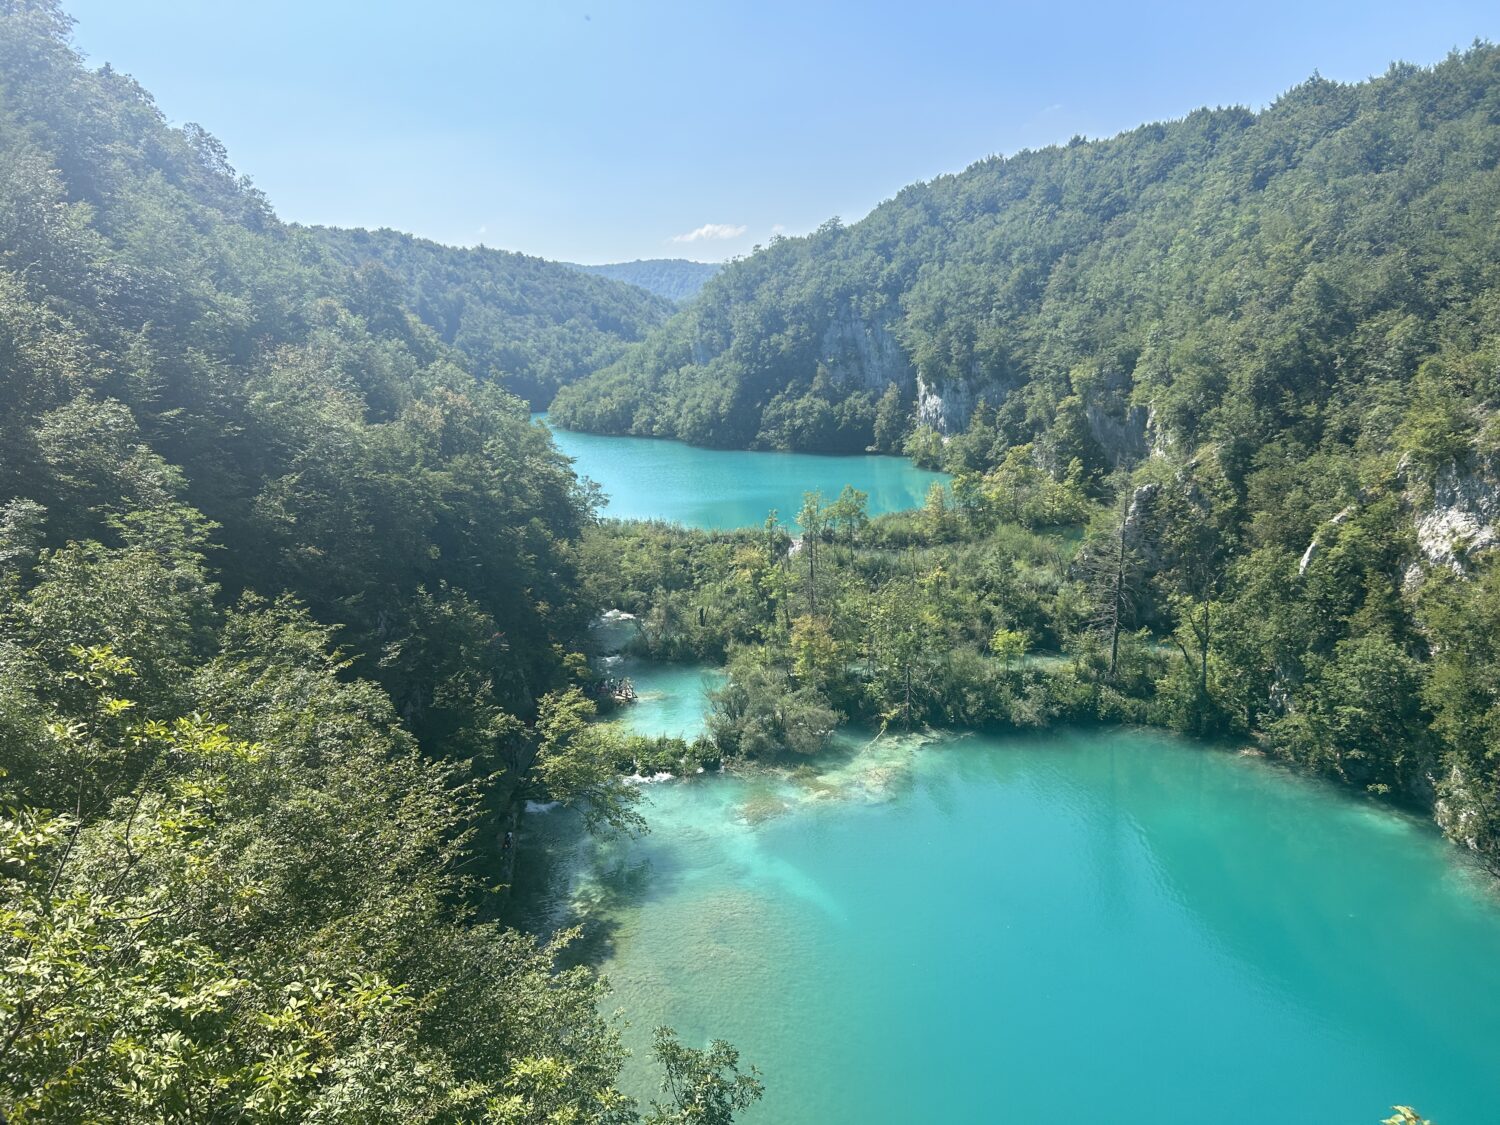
<point x="717" y="488"/>
<point x="1072" y="926"/>
<point x="670" y="698"/>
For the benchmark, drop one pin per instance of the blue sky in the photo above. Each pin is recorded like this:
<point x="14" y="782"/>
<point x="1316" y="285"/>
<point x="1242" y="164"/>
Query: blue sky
<point x="601" y="130"/>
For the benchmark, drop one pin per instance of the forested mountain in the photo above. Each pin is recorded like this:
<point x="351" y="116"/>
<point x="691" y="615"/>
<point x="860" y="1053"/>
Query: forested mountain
<point x="1262" y="276"/>
<point x="1220" y="400"/>
<point x="528" y="324"/>
<point x="676" y="279"/>
<point x="288" y="619"/>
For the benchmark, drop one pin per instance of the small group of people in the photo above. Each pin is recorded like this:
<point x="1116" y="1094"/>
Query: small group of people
<point x="621" y="690"/>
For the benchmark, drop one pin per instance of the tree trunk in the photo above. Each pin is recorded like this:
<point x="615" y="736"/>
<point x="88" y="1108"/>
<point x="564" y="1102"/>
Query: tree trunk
<point x="1117" y="604"/>
<point x="812" y="574"/>
<point x="1203" y="655"/>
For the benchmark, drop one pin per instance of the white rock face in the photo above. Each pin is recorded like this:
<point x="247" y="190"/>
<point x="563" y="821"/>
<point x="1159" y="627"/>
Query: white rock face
<point x="1316" y="544"/>
<point x="1157" y="438"/>
<point x="1457" y="809"/>
<point x="1460" y="522"/>
<point x="944" y="404"/>
<point x="1138" y="520"/>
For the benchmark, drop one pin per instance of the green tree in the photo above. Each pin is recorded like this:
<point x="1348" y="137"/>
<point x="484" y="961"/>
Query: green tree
<point x="577" y="763"/>
<point x="760" y="713"/>
<point x="704" y="1087"/>
<point x="892" y="418"/>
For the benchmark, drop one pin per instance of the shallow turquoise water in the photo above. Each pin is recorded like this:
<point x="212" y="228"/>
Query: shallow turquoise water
<point x="716" y="488"/>
<point x="1078" y="926"/>
<point x="672" y="698"/>
<point x="1064" y="927"/>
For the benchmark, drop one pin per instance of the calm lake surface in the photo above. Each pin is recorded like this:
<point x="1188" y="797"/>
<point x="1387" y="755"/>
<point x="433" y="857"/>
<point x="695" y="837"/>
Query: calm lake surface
<point x="649" y="479"/>
<point x="1066" y="927"/>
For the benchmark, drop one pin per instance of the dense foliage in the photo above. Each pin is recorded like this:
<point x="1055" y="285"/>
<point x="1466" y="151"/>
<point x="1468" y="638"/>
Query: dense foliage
<point x="1219" y="396"/>
<point x="288" y="613"/>
<point x="676" y="279"/>
<point x="1271" y="278"/>
<point x="1015" y="600"/>
<point x="528" y="324"/>
<point x="292" y="593"/>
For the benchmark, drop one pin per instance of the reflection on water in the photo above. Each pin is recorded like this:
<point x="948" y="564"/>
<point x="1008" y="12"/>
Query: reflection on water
<point x="1064" y="923"/>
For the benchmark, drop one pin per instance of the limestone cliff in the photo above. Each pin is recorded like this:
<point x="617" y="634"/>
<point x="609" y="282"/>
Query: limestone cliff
<point x="944" y="404"/>
<point x="862" y="355"/>
<point x="1456" y="513"/>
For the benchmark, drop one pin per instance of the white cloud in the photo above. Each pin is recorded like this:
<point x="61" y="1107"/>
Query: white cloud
<point x="778" y="228"/>
<point x="711" y="232"/>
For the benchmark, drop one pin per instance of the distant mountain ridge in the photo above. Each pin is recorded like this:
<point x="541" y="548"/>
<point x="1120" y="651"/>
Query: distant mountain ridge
<point x="529" y="324"/>
<point x="676" y="279"/>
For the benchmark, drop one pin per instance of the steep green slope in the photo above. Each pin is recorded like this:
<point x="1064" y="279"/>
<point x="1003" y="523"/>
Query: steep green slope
<point x="287" y="612"/>
<point x="157" y="309"/>
<point x="1231" y="273"/>
<point x="530" y="325"/>
<point x="676" y="279"/>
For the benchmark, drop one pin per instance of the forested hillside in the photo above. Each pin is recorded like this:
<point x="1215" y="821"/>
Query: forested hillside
<point x="528" y="324"/>
<point x="676" y="279"/>
<point x="288" y="619"/>
<point x="1254" y="276"/>
<point x="1220" y="401"/>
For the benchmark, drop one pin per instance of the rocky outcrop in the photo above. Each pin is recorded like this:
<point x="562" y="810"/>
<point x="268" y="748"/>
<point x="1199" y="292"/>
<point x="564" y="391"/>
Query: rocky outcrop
<point x="1459" y="521"/>
<point x="944" y="404"/>
<point x="1459" y="809"/>
<point x="1138" y="530"/>
<point x="1122" y="435"/>
<point x="1315" y="545"/>
<point x="947" y="404"/>
<point x="861" y="355"/>
<point x="1157" y="439"/>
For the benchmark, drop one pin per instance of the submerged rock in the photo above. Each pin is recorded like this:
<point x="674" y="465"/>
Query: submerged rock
<point x="762" y="807"/>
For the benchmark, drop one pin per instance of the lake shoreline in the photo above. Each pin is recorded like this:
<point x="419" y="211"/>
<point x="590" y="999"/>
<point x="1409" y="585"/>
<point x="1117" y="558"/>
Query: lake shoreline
<point x="757" y="888"/>
<point x="646" y="478"/>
